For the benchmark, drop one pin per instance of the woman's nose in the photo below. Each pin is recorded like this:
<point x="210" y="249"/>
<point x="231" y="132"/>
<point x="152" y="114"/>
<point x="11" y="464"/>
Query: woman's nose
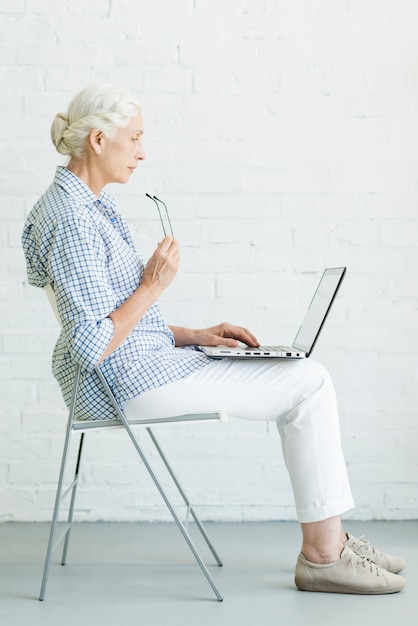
<point x="140" y="153"/>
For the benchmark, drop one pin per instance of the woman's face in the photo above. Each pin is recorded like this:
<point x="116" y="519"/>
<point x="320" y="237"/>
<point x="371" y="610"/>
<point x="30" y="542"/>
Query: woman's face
<point x="119" y="156"/>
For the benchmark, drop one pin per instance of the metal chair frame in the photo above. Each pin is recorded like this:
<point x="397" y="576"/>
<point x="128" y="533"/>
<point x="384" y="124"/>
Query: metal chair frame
<point x="74" y="425"/>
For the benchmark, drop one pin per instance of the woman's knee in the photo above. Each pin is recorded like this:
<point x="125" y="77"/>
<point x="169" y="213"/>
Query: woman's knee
<point x="315" y="370"/>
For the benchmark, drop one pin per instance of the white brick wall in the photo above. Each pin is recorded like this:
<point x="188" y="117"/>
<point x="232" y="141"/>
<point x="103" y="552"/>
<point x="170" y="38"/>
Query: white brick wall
<point x="283" y="136"/>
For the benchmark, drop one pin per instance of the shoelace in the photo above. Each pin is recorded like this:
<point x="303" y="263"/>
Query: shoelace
<point x="357" y="560"/>
<point x="362" y="543"/>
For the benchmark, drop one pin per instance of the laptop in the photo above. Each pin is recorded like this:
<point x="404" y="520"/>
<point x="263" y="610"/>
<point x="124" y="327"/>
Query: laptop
<point x="307" y="334"/>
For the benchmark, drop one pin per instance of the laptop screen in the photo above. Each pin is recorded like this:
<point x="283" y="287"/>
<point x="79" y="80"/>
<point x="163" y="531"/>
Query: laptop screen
<point x="318" y="309"/>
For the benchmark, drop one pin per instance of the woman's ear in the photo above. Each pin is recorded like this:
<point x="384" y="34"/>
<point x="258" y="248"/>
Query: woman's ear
<point x="95" y="139"/>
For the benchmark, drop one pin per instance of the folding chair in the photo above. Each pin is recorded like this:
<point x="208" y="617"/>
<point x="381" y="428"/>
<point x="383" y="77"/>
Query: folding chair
<point x="83" y="427"/>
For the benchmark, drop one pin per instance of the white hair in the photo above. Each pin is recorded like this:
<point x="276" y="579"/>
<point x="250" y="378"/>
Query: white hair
<point x="100" y="106"/>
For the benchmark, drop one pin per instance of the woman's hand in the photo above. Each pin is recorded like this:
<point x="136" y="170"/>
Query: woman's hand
<point x="222" y="334"/>
<point x="162" y="266"/>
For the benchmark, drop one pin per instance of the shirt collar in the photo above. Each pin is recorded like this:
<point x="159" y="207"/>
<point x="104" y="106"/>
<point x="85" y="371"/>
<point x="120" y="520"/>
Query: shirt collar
<point x="73" y="185"/>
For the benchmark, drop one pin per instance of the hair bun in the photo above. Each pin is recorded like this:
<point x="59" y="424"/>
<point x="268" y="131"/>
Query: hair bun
<point x="58" y="128"/>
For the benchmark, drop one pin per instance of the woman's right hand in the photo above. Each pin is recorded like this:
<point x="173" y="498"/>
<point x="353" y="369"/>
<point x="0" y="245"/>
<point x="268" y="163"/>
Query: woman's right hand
<point x="162" y="266"/>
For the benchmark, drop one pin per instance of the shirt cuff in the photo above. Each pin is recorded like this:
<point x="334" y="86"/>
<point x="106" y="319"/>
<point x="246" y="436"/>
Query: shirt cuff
<point x="90" y="342"/>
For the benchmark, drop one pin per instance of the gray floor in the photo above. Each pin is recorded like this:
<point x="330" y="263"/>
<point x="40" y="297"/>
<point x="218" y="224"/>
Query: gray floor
<point x="143" y="574"/>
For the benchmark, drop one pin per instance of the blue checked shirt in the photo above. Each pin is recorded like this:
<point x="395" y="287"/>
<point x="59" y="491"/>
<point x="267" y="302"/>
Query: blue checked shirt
<point x="81" y="245"/>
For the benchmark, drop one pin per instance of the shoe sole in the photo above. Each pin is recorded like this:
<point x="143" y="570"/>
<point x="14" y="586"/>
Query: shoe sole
<point x="308" y="585"/>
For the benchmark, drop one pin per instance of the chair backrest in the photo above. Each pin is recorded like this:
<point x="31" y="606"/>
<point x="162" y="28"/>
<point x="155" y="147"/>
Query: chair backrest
<point x="49" y="290"/>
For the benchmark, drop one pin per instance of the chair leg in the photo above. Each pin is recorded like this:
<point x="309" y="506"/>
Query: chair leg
<point x="72" y="501"/>
<point x="184" y="497"/>
<point x="148" y="467"/>
<point x="170" y="507"/>
<point x="55" y="516"/>
<point x="59" y="495"/>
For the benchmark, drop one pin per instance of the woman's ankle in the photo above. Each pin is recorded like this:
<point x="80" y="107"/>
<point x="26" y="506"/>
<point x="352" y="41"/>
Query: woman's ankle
<point x="322" y="541"/>
<point x="324" y="555"/>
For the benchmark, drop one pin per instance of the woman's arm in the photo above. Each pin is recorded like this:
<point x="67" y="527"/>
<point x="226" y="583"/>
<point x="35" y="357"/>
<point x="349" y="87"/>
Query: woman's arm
<point x="222" y="334"/>
<point x="158" y="274"/>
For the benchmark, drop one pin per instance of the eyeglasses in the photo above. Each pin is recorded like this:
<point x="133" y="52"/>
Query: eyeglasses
<point x="157" y="202"/>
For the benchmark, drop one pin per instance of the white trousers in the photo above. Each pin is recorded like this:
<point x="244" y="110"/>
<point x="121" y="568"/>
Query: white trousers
<point x="298" y="395"/>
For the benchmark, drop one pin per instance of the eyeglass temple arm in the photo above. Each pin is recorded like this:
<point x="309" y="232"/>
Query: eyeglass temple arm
<point x="166" y="212"/>
<point x="159" y="212"/>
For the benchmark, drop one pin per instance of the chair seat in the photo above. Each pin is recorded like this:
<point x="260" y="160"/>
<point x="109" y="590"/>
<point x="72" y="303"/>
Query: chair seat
<point x="88" y="424"/>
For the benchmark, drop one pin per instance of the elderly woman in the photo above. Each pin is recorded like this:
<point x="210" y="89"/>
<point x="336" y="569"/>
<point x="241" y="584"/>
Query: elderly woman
<point x="106" y="295"/>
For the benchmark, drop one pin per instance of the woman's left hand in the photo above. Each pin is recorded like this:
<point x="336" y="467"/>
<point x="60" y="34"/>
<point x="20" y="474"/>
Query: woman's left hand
<point x="222" y="334"/>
